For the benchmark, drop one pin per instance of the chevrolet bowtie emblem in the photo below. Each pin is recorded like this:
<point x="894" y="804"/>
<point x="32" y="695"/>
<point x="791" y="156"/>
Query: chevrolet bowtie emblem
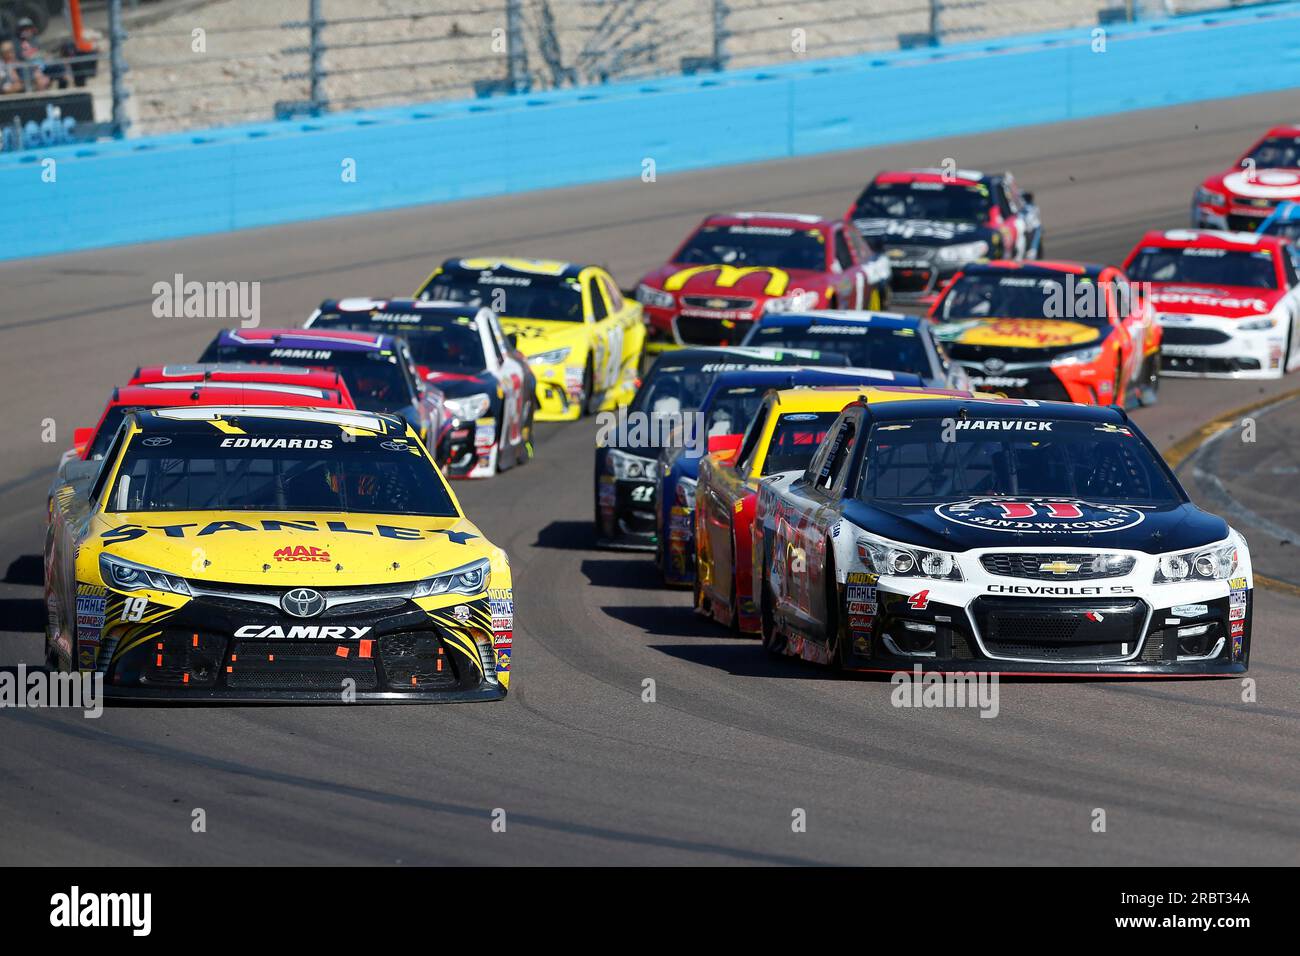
<point x="1059" y="567"/>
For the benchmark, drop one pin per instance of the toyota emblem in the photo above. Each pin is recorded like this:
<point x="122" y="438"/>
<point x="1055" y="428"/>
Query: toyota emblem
<point x="302" y="602"/>
<point x="156" y="441"/>
<point x="994" y="365"/>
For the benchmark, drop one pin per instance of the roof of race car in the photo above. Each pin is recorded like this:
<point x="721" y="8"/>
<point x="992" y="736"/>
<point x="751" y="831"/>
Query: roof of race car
<point x="238" y="372"/>
<point x="514" y="266"/>
<point x="1286" y="129"/>
<point x="335" y="340"/>
<point x="1211" y="239"/>
<point x="404" y="313"/>
<point x="163" y="394"/>
<point x="956" y="177"/>
<point x="238" y="419"/>
<point x="1036" y="267"/>
<point x="822" y="398"/>
<point x="732" y="356"/>
<point x="792" y="376"/>
<point x="787" y="220"/>
<point x="988" y="407"/>
<point x="803" y="320"/>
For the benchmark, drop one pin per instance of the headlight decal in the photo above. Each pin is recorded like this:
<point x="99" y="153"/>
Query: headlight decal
<point x="123" y="575"/>
<point x="904" y="560"/>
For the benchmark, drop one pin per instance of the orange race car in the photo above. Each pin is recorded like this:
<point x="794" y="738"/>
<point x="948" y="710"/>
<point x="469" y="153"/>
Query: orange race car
<point x="1058" y="331"/>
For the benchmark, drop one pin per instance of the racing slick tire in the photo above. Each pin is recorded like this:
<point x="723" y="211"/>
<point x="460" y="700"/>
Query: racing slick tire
<point x="837" y="633"/>
<point x="590" y="400"/>
<point x="1149" y="390"/>
<point x="524" y="453"/>
<point x="773" y="643"/>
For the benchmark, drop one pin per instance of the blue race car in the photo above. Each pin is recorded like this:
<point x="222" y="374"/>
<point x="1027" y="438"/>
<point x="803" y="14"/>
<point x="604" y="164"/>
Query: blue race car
<point x="628" y="445"/>
<point x="882" y="340"/>
<point x="1283" y="221"/>
<point x="727" y="408"/>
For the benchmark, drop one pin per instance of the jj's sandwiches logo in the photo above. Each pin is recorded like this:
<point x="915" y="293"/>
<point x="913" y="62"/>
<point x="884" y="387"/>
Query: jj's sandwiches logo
<point x="1044" y="515"/>
<point x="78" y="909"/>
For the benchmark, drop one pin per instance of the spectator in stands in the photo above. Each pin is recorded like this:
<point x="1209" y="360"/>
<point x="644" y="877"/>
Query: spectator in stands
<point x="11" y="79"/>
<point x="33" y="63"/>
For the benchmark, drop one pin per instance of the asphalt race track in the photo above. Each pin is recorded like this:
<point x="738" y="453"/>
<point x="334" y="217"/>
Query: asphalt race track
<point x="712" y="771"/>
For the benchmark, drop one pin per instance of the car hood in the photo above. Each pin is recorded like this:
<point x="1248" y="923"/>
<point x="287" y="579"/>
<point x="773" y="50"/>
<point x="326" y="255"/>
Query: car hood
<point x="982" y="522"/>
<point x="920" y="232"/>
<point x="1272" y="185"/>
<point x="252" y="548"/>
<point x="456" y="384"/>
<point x="543" y="335"/>
<point x="1048" y="334"/>
<point x="725" y="281"/>
<point x="1227" y="302"/>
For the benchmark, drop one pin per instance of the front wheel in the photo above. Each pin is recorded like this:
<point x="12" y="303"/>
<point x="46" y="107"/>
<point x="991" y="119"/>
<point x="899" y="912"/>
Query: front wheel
<point x="773" y="642"/>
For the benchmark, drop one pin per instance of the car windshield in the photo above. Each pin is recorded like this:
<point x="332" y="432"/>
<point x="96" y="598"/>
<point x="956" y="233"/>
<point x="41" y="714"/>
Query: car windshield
<point x="947" y="202"/>
<point x="1276" y="152"/>
<point x="558" y="298"/>
<point x="1205" y="267"/>
<point x="278" y="472"/>
<point x="982" y="295"/>
<point x="796" y="437"/>
<point x="449" y="344"/>
<point x="924" y="460"/>
<point x="894" y="350"/>
<point x="764" y="247"/>
<point x="375" y="379"/>
<point x="730" y="409"/>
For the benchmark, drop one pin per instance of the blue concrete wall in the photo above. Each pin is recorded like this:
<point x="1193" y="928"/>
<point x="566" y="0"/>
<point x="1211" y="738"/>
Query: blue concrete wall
<point x="186" y="184"/>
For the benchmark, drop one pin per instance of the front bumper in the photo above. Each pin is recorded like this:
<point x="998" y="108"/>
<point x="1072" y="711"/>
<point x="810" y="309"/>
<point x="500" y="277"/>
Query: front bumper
<point x="1082" y="384"/>
<point x="1117" y="631"/>
<point x="559" y="393"/>
<point x="679" y="328"/>
<point x="1210" y="347"/>
<point x="225" y="648"/>
<point x="1233" y="217"/>
<point x="625" y="513"/>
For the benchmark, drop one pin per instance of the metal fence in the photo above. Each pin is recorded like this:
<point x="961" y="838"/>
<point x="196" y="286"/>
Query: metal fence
<point x="175" y="65"/>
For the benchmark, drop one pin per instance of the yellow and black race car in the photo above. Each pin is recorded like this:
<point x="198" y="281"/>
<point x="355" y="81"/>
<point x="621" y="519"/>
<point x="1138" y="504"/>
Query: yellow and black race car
<point x="582" y="338"/>
<point x="264" y="553"/>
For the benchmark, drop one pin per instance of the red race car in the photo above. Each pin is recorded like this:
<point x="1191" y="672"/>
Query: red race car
<point x="1056" y="331"/>
<point x="1228" y="302"/>
<point x="735" y="268"/>
<point x="1243" y="196"/>
<point x="92" y="442"/>
<point x="302" y="375"/>
<point x="931" y="222"/>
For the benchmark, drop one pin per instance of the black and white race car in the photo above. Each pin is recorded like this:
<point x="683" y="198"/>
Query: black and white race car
<point x="969" y="534"/>
<point x="464" y="352"/>
<point x="931" y="222"/>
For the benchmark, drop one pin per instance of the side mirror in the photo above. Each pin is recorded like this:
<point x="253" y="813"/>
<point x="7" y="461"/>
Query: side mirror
<point x="82" y="437"/>
<point x="512" y="340"/>
<point x="78" y="470"/>
<point x="1027" y="196"/>
<point x="725" y="447"/>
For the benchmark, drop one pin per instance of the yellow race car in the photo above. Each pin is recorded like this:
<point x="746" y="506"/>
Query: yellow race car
<point x="274" y="553"/>
<point x="582" y="339"/>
